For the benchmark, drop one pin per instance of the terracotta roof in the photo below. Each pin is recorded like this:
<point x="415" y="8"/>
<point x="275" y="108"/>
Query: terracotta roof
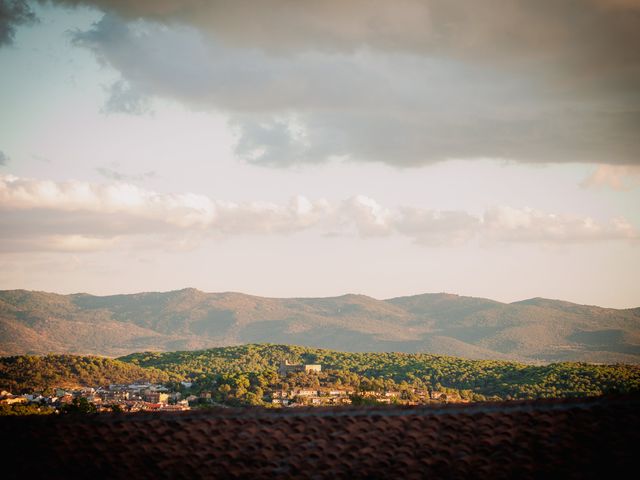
<point x="543" y="439"/>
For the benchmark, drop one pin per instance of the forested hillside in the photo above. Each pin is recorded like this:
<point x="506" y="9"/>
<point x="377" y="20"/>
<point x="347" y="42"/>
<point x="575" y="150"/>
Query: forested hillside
<point x="247" y="374"/>
<point x="34" y="373"/>
<point x="255" y="366"/>
<point x="534" y="331"/>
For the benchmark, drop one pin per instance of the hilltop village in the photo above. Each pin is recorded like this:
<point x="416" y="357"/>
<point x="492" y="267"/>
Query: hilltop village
<point x="183" y="396"/>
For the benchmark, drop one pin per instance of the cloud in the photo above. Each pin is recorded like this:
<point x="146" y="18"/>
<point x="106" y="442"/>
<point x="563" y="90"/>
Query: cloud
<point x="111" y="174"/>
<point x="591" y="43"/>
<point x="594" y="34"/>
<point x="81" y="216"/>
<point x="13" y="13"/>
<point x="430" y="227"/>
<point x="58" y="243"/>
<point x="367" y="217"/>
<point x="122" y="98"/>
<point x="406" y="83"/>
<point x="41" y="209"/>
<point x="4" y="158"/>
<point x="616" y="177"/>
<point x="506" y="224"/>
<point x="403" y="108"/>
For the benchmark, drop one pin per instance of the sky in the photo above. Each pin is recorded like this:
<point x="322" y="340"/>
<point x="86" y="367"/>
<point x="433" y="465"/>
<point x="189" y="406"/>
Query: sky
<point x="284" y="148"/>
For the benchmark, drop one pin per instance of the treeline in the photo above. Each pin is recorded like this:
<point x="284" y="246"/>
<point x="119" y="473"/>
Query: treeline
<point x="256" y="365"/>
<point x="20" y="410"/>
<point x="29" y="373"/>
<point x="247" y="374"/>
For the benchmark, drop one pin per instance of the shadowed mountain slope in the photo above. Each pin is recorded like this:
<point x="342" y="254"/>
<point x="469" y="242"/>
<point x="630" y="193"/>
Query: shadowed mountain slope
<point x="538" y="330"/>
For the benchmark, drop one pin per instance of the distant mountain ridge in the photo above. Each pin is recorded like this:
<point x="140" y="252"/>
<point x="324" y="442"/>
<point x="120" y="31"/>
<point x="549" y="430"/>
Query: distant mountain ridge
<point x="533" y="330"/>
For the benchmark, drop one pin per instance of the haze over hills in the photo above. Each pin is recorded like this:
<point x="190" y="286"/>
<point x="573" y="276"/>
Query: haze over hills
<point x="538" y="330"/>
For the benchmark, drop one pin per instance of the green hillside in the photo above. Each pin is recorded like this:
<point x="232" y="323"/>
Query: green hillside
<point x="246" y="374"/>
<point x="35" y="373"/>
<point x="258" y="364"/>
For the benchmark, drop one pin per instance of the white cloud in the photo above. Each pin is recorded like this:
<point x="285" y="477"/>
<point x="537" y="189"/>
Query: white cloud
<point x="508" y="224"/>
<point x="616" y="177"/>
<point x="366" y="216"/>
<point x="125" y="203"/>
<point x="82" y="216"/>
<point x="438" y="227"/>
<point x="57" y="243"/>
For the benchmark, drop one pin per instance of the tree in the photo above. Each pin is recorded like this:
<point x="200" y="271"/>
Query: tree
<point x="79" y="405"/>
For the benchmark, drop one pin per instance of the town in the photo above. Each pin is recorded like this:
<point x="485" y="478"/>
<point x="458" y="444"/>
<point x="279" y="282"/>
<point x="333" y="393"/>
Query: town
<point x="135" y="397"/>
<point x="149" y="397"/>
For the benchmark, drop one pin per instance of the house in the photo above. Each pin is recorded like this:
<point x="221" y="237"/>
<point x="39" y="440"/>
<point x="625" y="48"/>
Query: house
<point x="174" y="408"/>
<point x="135" y="388"/>
<point x="339" y="393"/>
<point x="113" y="395"/>
<point x="156" y="397"/>
<point x="306" y="393"/>
<point x="12" y="400"/>
<point x="159" y="388"/>
<point x="280" y="394"/>
<point x="370" y="394"/>
<point x="286" y="368"/>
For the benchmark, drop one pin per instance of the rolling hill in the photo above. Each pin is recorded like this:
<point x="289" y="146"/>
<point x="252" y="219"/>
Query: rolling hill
<point x="249" y="372"/>
<point x="534" y="330"/>
<point x="28" y="373"/>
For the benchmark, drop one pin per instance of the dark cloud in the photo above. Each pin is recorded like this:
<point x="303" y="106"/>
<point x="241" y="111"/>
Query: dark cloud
<point x="406" y="83"/>
<point x="595" y="35"/>
<point x="4" y="159"/>
<point x="13" y="13"/>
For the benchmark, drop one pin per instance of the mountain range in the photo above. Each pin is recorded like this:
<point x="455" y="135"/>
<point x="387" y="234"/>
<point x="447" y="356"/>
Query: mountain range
<point x="534" y="330"/>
